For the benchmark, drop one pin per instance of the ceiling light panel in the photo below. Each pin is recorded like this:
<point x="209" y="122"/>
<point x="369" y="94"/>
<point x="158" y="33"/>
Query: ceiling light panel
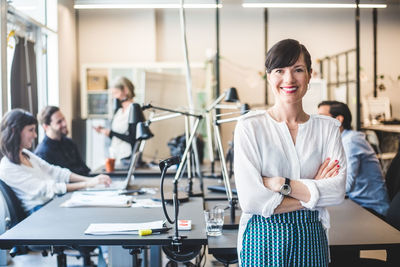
<point x="143" y="4"/>
<point x="312" y="4"/>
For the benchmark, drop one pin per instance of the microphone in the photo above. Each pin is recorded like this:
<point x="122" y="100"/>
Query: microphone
<point x="169" y="162"/>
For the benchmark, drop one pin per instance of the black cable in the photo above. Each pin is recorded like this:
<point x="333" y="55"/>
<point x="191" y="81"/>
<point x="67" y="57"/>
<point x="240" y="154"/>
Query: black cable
<point x="163" y="172"/>
<point x="203" y="256"/>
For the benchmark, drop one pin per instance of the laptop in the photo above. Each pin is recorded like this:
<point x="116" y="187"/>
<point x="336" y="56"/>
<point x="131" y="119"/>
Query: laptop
<point x="119" y="184"/>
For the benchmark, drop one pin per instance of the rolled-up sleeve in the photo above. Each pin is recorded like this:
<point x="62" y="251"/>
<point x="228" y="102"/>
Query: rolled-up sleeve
<point x="314" y="194"/>
<point x="254" y="197"/>
<point x="332" y="190"/>
<point x="49" y="188"/>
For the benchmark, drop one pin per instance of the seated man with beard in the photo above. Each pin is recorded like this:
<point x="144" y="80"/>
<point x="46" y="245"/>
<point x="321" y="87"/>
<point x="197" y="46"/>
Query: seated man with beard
<point x="56" y="148"/>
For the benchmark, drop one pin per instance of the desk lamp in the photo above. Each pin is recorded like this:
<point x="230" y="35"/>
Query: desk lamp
<point x="135" y="116"/>
<point x="139" y="132"/>
<point x="229" y="154"/>
<point x="190" y="143"/>
<point x="233" y="221"/>
<point x="230" y="96"/>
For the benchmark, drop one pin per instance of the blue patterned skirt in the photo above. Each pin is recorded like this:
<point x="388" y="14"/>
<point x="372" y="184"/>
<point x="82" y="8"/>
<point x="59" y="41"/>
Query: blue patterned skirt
<point x="289" y="239"/>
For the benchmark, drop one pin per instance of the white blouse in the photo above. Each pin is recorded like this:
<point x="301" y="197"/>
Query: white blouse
<point x="37" y="184"/>
<point x="120" y="149"/>
<point x="264" y="147"/>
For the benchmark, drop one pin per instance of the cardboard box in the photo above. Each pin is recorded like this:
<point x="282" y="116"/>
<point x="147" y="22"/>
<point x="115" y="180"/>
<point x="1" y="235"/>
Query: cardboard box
<point x="96" y="82"/>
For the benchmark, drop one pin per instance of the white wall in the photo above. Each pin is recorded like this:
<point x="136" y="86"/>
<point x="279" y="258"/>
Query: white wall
<point x="117" y="36"/>
<point x="328" y="31"/>
<point x="68" y="67"/>
<point x="389" y="54"/>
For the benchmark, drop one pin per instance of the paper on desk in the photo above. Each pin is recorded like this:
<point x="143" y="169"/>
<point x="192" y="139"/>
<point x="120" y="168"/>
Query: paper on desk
<point x="97" y="199"/>
<point x="146" y="203"/>
<point x="121" y="228"/>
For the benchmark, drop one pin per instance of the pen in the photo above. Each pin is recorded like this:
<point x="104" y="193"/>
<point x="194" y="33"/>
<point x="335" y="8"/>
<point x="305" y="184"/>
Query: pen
<point x="144" y="232"/>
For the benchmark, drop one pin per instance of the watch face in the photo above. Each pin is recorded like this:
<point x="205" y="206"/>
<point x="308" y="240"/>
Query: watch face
<point x="286" y="189"/>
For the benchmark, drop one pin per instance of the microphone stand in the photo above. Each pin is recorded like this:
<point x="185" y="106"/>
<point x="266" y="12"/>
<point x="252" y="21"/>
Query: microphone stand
<point x="176" y="251"/>
<point x="164" y="165"/>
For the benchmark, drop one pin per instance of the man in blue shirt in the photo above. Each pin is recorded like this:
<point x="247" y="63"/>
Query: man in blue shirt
<point x="364" y="184"/>
<point x="56" y="148"/>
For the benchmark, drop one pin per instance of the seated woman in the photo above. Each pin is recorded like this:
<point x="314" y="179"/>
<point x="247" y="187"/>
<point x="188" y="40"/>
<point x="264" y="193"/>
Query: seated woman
<point x="33" y="180"/>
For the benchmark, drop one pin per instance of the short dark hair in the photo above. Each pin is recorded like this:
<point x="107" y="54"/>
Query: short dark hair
<point x="44" y="116"/>
<point x="12" y="125"/>
<point x="337" y="108"/>
<point x="285" y="53"/>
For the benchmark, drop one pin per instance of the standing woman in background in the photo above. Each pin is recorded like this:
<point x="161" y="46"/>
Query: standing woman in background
<point x="122" y="140"/>
<point x="33" y="180"/>
<point x="288" y="167"/>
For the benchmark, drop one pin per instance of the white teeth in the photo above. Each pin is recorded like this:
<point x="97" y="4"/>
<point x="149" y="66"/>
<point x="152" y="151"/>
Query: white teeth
<point x="290" y="89"/>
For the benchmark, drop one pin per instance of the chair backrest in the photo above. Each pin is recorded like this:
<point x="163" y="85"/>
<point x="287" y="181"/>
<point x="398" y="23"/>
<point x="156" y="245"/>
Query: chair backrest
<point x="393" y="215"/>
<point x="393" y="177"/>
<point x="14" y="205"/>
<point x="373" y="140"/>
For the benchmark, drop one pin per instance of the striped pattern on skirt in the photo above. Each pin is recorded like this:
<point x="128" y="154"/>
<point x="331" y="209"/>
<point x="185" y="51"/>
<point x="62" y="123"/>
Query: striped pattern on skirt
<point x="289" y="239"/>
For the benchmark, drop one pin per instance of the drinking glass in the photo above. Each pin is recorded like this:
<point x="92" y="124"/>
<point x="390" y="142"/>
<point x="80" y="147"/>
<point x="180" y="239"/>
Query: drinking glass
<point x="214" y="221"/>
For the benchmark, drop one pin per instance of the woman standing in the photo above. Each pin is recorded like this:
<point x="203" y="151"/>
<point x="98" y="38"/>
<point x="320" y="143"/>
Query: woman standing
<point x="288" y="167"/>
<point x="122" y="136"/>
<point x="33" y="180"/>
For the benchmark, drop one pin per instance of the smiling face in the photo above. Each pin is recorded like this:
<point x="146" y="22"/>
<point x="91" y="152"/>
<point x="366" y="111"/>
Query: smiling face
<point x="289" y="84"/>
<point x="58" y="125"/>
<point x="28" y="135"/>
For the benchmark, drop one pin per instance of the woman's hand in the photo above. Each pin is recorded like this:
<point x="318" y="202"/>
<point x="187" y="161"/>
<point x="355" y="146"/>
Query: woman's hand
<point x="102" y="130"/>
<point x="99" y="179"/>
<point x="327" y="170"/>
<point x="98" y="128"/>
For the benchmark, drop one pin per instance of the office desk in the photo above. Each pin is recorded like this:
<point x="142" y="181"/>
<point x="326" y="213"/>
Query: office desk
<point x="391" y="128"/>
<point x="388" y="135"/>
<point x="56" y="226"/>
<point x="352" y="227"/>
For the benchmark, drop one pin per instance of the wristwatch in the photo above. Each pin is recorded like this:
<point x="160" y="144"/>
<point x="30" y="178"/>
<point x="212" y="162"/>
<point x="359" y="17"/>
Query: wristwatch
<point x="285" y="188"/>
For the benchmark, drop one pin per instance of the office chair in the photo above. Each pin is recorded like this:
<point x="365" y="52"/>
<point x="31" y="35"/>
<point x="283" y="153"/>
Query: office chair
<point x="17" y="214"/>
<point x="392" y="178"/>
<point x="384" y="158"/>
<point x="393" y="218"/>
